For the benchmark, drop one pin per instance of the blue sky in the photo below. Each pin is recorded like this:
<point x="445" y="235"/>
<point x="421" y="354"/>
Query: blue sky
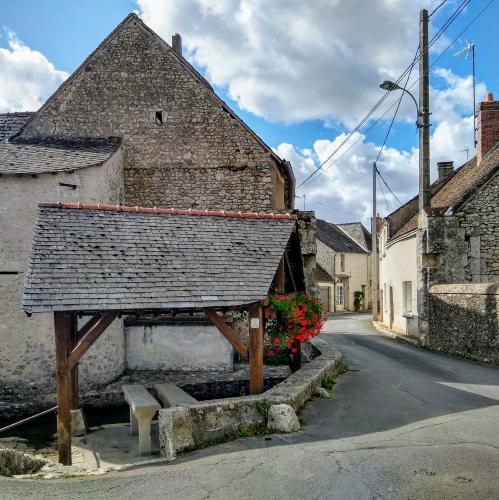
<point x="333" y="96"/>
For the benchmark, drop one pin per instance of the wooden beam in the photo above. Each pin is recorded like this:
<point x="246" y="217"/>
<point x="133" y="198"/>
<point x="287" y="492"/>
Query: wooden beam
<point x="281" y="276"/>
<point x="256" y="331"/>
<point x="292" y="278"/>
<point x="227" y="332"/>
<point x="88" y="326"/>
<point x="73" y="373"/>
<point x="91" y="336"/>
<point x="62" y="327"/>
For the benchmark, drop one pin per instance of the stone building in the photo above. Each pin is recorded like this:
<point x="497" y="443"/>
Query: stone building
<point x="343" y="264"/>
<point x="135" y="124"/>
<point x="459" y="235"/>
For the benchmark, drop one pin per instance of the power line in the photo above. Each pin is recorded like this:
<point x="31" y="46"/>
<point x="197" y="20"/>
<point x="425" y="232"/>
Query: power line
<point x="436" y="8"/>
<point x="320" y="172"/>
<point x="388" y="187"/>
<point x="334" y="208"/>
<point x="383" y="192"/>
<point x="382" y="99"/>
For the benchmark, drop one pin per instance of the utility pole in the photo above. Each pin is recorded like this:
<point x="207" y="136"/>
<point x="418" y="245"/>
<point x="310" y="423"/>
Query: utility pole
<point x="424" y="178"/>
<point x="374" y="252"/>
<point x="424" y="114"/>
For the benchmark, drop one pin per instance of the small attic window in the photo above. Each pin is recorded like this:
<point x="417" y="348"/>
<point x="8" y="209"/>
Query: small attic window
<point x="158" y="117"/>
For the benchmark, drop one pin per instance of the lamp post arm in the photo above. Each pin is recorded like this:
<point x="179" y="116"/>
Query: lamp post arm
<point x="415" y="102"/>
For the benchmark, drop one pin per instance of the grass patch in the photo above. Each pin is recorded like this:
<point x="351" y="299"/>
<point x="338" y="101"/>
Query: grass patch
<point x="250" y="430"/>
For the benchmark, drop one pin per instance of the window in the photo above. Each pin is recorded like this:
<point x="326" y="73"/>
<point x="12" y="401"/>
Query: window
<point x="158" y="117"/>
<point x="342" y="262"/>
<point x="407" y="296"/>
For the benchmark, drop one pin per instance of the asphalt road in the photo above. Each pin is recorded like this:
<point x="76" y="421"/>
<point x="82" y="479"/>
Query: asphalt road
<point x="405" y="423"/>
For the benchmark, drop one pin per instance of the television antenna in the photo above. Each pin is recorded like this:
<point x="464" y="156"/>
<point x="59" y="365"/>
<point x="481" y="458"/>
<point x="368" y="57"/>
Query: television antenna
<point x="467" y="49"/>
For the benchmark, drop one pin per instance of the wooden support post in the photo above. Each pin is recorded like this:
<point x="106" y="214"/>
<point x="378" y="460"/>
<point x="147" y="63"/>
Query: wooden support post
<point x="75" y="389"/>
<point x="62" y="326"/>
<point x="281" y="276"/>
<point x="256" y="331"/>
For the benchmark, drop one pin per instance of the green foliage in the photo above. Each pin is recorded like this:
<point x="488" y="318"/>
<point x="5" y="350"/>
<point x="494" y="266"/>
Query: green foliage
<point x="343" y="368"/>
<point x="263" y="409"/>
<point x="328" y="382"/>
<point x="247" y="431"/>
<point x="358" y="298"/>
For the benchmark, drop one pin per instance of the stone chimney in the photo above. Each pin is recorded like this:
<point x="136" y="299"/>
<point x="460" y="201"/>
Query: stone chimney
<point x="445" y="168"/>
<point x="487" y="126"/>
<point x="177" y="43"/>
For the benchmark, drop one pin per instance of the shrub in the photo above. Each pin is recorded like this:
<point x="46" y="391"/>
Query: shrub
<point x="292" y="319"/>
<point x="358" y="297"/>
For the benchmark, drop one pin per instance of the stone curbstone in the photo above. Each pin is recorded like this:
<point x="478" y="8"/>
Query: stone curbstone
<point x="184" y="428"/>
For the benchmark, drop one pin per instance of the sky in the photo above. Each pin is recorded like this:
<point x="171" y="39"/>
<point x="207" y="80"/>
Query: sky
<point x="301" y="74"/>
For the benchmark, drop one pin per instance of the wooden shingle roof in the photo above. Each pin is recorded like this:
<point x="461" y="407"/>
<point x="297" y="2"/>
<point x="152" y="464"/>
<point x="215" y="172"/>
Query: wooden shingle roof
<point x="89" y="258"/>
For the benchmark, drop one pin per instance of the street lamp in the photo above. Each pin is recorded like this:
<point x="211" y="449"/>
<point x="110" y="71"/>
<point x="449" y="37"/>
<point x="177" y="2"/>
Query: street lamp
<point x="390" y="86"/>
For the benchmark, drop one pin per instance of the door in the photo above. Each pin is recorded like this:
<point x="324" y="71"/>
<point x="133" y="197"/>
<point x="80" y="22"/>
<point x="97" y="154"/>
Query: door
<point x="340" y="296"/>
<point x="324" y="291"/>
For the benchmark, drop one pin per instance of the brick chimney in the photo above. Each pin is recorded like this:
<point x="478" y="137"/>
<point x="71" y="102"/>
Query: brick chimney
<point x="487" y="124"/>
<point x="177" y="43"/>
<point x="445" y="168"/>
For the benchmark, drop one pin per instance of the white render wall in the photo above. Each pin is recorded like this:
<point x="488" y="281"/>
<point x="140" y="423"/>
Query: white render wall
<point x="27" y="344"/>
<point x="181" y="347"/>
<point x="398" y="264"/>
<point x="356" y="273"/>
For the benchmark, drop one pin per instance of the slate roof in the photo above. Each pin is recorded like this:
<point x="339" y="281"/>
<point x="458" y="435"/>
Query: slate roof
<point x="332" y="236"/>
<point x="131" y="258"/>
<point x="11" y="123"/>
<point x="321" y="274"/>
<point x="358" y="232"/>
<point x="464" y="181"/>
<point x="37" y="158"/>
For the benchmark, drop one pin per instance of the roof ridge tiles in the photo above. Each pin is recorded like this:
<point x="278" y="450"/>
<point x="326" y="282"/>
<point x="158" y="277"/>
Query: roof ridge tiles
<point x="170" y="211"/>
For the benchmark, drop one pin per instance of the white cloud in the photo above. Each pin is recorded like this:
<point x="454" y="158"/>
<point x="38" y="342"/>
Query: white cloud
<point x="27" y="77"/>
<point x="290" y="60"/>
<point x="344" y="191"/>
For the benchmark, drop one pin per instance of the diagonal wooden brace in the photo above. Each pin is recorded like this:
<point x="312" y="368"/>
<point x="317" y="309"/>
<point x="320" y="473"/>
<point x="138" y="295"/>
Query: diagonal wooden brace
<point x="227" y="332"/>
<point x="90" y="335"/>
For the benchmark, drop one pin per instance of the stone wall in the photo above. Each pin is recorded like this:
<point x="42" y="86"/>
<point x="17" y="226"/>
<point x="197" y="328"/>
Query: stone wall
<point x="27" y="349"/>
<point x="464" y="320"/>
<point x="479" y="223"/>
<point x="183" y="147"/>
<point x="307" y="231"/>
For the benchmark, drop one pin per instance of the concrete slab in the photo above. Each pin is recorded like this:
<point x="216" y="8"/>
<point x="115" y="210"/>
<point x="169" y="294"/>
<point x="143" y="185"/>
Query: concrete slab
<point x="111" y="447"/>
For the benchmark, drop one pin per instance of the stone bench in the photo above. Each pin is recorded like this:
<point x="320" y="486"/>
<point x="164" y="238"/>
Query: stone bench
<point x="143" y="407"/>
<point x="172" y="395"/>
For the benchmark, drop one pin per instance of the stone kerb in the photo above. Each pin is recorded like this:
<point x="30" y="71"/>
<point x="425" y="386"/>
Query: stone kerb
<point x="187" y="427"/>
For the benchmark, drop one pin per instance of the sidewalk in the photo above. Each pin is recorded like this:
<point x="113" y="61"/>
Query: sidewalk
<point x="382" y="330"/>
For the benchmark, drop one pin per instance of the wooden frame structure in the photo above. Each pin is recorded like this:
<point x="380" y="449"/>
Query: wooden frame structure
<point x="72" y="343"/>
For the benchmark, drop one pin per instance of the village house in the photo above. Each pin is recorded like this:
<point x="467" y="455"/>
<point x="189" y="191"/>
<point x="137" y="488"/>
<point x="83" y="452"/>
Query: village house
<point x="343" y="265"/>
<point x="136" y="125"/>
<point x="459" y="253"/>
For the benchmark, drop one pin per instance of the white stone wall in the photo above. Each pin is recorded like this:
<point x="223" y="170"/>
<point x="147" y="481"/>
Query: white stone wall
<point x="179" y="347"/>
<point x="397" y="263"/>
<point x="26" y="353"/>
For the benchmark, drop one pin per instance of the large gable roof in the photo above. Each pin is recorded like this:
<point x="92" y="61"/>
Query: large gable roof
<point x="336" y="239"/>
<point x="60" y="156"/>
<point x="88" y="258"/>
<point x="462" y="183"/>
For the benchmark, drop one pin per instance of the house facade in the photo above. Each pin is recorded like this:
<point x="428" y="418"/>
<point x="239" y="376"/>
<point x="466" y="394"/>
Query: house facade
<point x="136" y="125"/>
<point x="456" y="238"/>
<point x="343" y="265"/>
